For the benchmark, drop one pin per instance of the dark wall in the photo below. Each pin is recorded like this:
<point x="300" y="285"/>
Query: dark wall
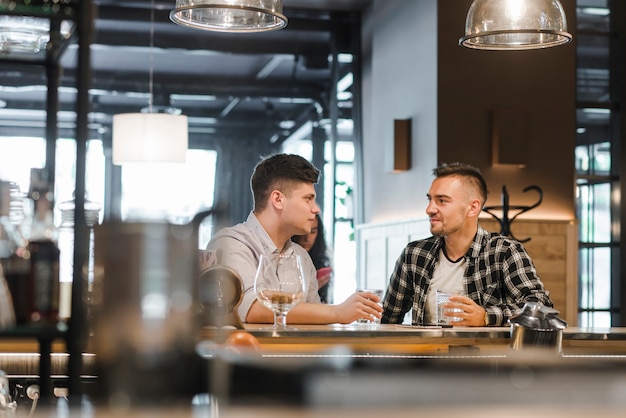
<point x="535" y="90"/>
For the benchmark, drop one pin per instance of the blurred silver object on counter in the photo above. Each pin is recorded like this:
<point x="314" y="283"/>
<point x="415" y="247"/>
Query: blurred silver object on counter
<point x="7" y="248"/>
<point x="7" y="314"/>
<point x="220" y="291"/>
<point x="66" y="260"/>
<point x="7" y="404"/>
<point x="204" y="405"/>
<point x="538" y="327"/>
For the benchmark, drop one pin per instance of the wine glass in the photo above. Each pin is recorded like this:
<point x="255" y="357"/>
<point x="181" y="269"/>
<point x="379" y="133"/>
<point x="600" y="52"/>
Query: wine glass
<point x="280" y="285"/>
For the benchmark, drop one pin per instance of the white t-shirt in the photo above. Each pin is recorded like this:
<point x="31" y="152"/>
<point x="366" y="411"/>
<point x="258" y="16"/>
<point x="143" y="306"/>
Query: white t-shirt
<point x="447" y="277"/>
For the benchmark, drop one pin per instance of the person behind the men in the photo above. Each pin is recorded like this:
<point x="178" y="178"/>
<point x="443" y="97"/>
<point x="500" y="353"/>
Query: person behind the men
<point x="315" y="243"/>
<point x="283" y="188"/>
<point x="492" y="275"/>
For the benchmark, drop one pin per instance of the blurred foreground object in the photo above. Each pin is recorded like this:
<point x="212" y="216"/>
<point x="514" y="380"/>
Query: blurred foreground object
<point x="220" y="291"/>
<point x="538" y="327"/>
<point x="147" y="322"/>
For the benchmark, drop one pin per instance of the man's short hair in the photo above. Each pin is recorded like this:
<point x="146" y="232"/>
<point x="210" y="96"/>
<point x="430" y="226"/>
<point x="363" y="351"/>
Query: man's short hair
<point x="280" y="172"/>
<point x="469" y="172"/>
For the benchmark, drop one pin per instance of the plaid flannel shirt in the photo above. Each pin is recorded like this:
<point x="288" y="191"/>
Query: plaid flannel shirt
<point x="500" y="277"/>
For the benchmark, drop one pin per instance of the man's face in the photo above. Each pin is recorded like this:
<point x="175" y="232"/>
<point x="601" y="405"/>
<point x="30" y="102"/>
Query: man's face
<point x="448" y="205"/>
<point x="300" y="208"/>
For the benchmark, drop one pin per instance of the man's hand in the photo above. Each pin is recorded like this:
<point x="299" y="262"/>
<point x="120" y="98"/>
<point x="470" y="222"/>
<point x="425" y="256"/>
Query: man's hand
<point x="358" y="305"/>
<point x="473" y="315"/>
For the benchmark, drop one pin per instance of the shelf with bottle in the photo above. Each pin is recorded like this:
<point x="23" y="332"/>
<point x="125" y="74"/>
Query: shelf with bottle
<point x="31" y="255"/>
<point x="80" y="13"/>
<point x="29" y="265"/>
<point x="36" y="30"/>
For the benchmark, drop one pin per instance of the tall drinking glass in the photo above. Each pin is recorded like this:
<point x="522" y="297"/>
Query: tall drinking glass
<point x="280" y="285"/>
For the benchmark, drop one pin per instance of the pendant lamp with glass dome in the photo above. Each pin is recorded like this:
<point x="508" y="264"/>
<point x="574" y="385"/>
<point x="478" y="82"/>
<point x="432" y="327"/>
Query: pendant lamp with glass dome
<point x="515" y="25"/>
<point x="238" y="16"/>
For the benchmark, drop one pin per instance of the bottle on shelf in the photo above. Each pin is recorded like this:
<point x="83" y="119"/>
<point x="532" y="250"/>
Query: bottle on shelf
<point x="31" y="257"/>
<point x="15" y="262"/>
<point x="42" y="284"/>
<point x="7" y="248"/>
<point x="66" y="245"/>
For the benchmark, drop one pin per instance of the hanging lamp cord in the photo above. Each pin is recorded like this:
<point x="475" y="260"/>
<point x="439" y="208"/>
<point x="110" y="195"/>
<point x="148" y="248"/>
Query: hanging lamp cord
<point x="151" y="77"/>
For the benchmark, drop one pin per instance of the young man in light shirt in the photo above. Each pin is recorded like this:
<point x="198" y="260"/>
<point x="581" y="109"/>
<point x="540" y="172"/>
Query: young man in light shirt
<point x="283" y="187"/>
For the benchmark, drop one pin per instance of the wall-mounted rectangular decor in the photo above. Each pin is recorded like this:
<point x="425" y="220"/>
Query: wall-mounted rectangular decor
<point x="401" y="145"/>
<point x="509" y="136"/>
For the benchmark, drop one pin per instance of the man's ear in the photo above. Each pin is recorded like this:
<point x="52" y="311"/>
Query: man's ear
<point x="276" y="199"/>
<point x="475" y="208"/>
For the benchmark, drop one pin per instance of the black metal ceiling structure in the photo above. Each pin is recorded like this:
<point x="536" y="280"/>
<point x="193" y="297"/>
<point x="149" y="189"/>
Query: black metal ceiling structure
<point x="255" y="86"/>
<point x="231" y="86"/>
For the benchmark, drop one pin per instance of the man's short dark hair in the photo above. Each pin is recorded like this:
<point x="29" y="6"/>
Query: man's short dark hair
<point x="467" y="171"/>
<point x="280" y="172"/>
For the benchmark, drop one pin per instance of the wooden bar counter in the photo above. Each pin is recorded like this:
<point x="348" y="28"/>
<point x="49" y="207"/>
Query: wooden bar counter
<point x="396" y="365"/>
<point x="363" y="339"/>
<point x="362" y="370"/>
<point x="20" y="357"/>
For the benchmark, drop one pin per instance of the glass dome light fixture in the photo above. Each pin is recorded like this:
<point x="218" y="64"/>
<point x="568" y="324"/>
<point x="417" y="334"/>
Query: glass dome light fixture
<point x="26" y="34"/>
<point x="515" y="25"/>
<point x="238" y="16"/>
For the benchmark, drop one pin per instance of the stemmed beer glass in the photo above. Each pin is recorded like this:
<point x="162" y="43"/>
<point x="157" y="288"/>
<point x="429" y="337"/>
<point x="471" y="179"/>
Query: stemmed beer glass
<point x="280" y="285"/>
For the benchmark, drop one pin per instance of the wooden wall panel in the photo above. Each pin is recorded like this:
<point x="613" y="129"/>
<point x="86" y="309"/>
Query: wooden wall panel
<point x="553" y="248"/>
<point x="385" y="242"/>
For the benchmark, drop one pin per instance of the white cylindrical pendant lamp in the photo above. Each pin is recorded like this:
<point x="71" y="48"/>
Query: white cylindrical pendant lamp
<point x="149" y="137"/>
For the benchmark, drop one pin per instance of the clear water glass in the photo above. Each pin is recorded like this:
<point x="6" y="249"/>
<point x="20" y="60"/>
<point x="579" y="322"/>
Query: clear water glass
<point x="279" y="285"/>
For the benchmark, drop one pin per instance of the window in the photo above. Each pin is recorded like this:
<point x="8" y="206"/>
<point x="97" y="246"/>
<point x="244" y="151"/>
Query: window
<point x="344" y="244"/>
<point x="595" y="166"/>
<point x="175" y="192"/>
<point x="19" y="155"/>
<point x="339" y="227"/>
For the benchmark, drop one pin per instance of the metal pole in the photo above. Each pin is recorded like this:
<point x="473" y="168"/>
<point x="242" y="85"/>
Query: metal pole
<point x="78" y="323"/>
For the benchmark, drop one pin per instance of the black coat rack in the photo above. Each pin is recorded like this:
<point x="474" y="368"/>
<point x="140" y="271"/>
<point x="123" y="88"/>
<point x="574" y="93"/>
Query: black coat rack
<point x="505" y="222"/>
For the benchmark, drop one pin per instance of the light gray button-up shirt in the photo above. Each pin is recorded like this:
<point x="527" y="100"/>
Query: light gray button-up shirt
<point x="240" y="247"/>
